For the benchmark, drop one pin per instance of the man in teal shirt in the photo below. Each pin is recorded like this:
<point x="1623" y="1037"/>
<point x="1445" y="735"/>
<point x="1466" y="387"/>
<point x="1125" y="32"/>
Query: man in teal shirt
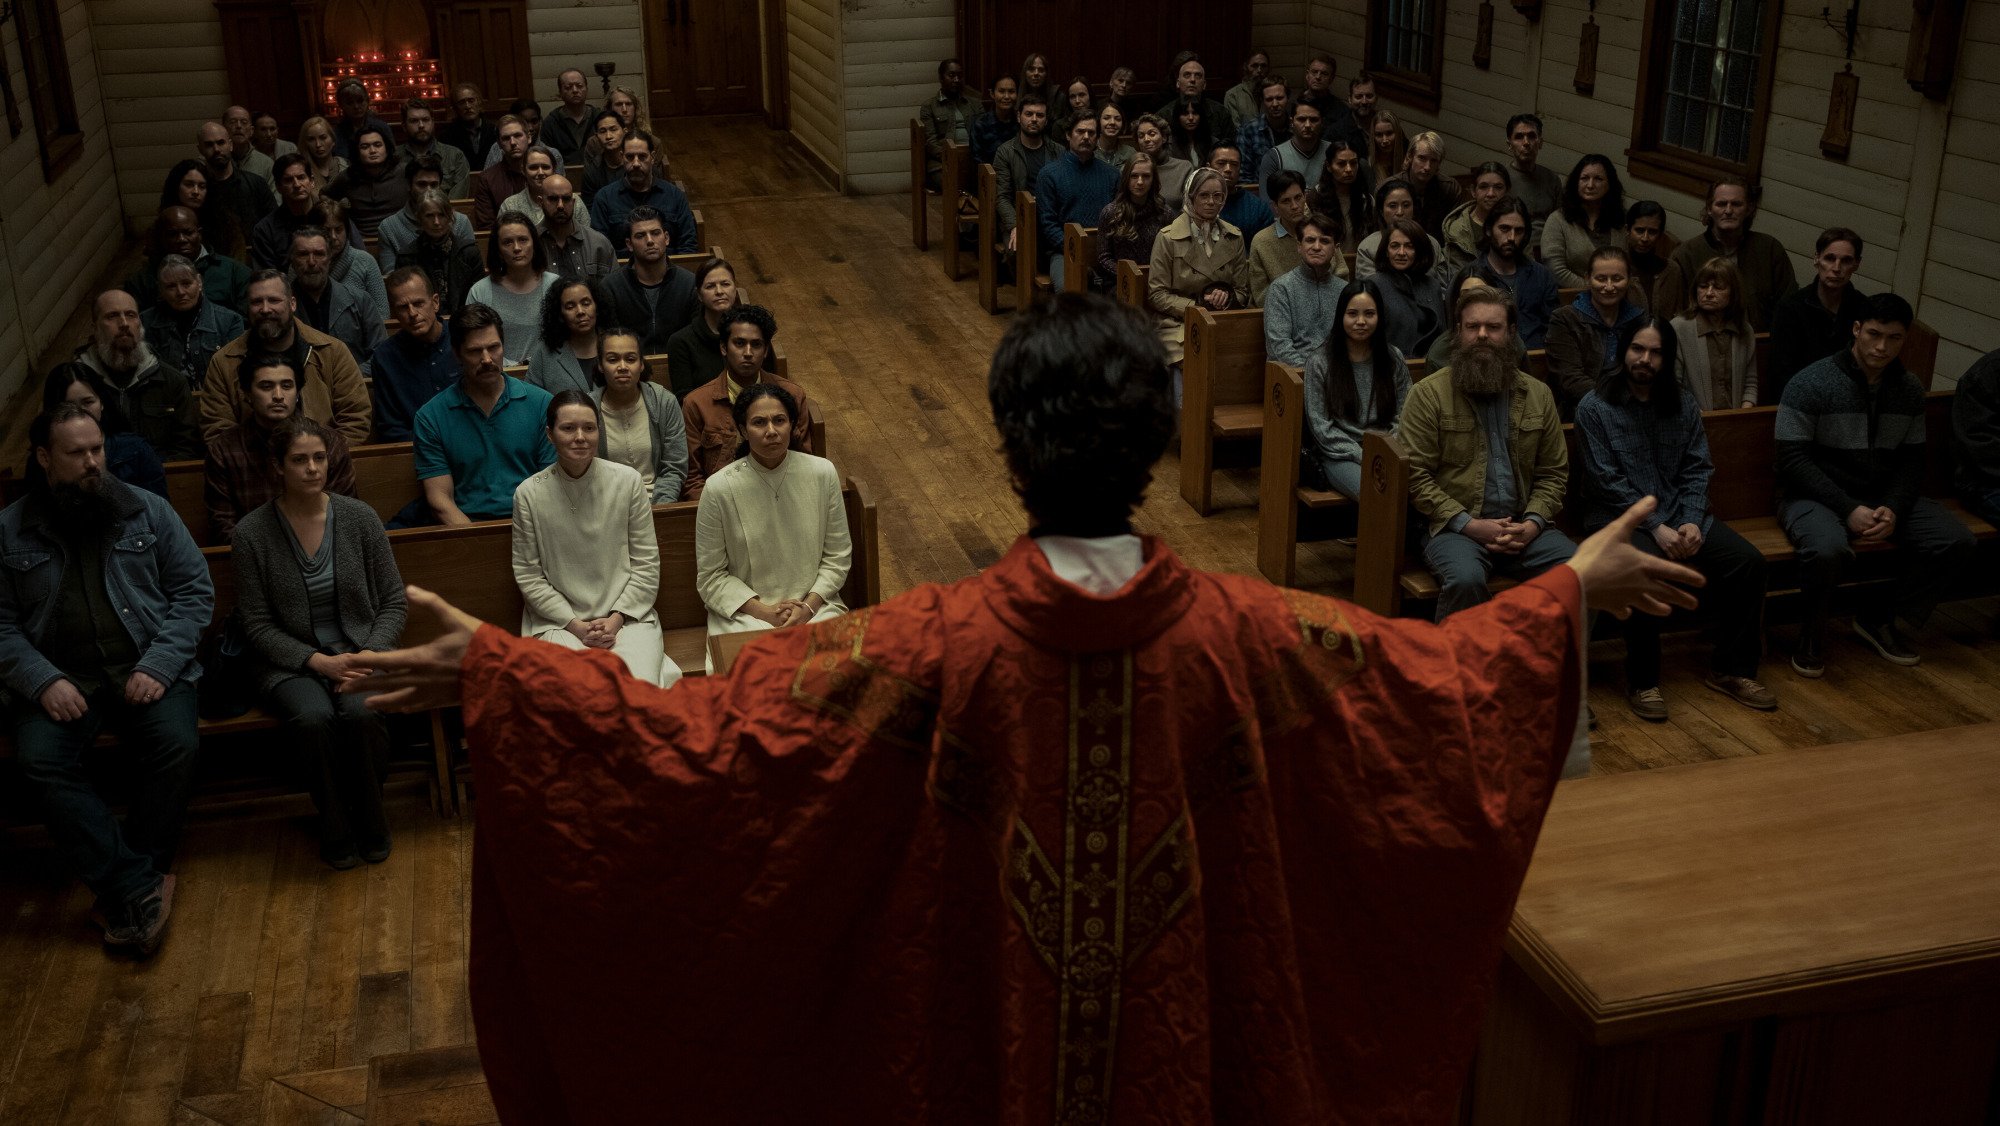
<point x="481" y="437"/>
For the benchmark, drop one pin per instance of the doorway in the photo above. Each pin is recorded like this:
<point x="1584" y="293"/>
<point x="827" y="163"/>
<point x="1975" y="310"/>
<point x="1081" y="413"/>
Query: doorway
<point x="704" y="57"/>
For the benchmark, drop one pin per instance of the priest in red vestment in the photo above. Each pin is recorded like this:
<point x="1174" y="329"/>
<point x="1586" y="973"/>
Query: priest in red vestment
<point x="1090" y="838"/>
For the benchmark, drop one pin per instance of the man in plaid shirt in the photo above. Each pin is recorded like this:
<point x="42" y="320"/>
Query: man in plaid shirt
<point x="240" y="473"/>
<point x="1641" y="436"/>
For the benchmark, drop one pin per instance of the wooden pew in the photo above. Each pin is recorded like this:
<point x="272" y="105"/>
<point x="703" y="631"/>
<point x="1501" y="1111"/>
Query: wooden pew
<point x="1079" y="257"/>
<point x="920" y="207"/>
<point x="989" y="239"/>
<point x="957" y="164"/>
<point x="1222" y="396"/>
<point x="463" y="207"/>
<point x="1029" y="281"/>
<point x="1132" y="284"/>
<point x="385" y="476"/>
<point x="1280" y="497"/>
<point x="1742" y="446"/>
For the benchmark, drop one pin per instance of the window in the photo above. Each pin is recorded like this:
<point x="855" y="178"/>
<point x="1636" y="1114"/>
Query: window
<point x="1704" y="90"/>
<point x="1406" y="49"/>
<point x="45" y="62"/>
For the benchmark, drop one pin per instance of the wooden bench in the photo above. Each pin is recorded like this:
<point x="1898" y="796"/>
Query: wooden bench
<point x="1028" y="278"/>
<point x="956" y="159"/>
<point x="1222" y="392"/>
<point x="989" y="238"/>
<point x="1132" y="284"/>
<point x="1079" y="257"/>
<point x="1281" y="500"/>
<point x="1742" y="447"/>
<point x="385" y="476"/>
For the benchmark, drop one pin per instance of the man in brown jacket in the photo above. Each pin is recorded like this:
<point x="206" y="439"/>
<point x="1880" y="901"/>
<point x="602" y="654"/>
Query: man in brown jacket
<point x="330" y="386"/>
<point x="711" y="421"/>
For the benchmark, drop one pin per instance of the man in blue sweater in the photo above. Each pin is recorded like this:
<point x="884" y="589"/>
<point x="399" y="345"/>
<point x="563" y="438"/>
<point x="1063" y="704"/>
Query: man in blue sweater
<point x="1073" y="188"/>
<point x="1851" y="460"/>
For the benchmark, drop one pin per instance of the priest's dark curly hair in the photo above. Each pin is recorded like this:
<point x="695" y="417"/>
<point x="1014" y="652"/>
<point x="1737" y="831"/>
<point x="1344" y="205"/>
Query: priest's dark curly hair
<point x="1083" y="403"/>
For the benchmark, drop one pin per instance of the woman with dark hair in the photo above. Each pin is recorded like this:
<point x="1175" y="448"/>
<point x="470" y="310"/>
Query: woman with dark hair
<point x="640" y="422"/>
<point x="1190" y="133"/>
<point x="771" y="546"/>
<point x="373" y="184"/>
<point x="563" y="358"/>
<point x="1356" y="382"/>
<point x="694" y="354"/>
<point x="516" y="282"/>
<point x="1592" y="215"/>
<point x="585" y="554"/>
<point x="1466" y="224"/>
<point x="1077" y="103"/>
<point x="453" y="267"/>
<point x="1410" y="295"/>
<point x="1346" y="191"/>
<point x="1129" y="223"/>
<point x="1649" y="246"/>
<point x="1035" y="80"/>
<point x="1393" y="200"/>
<point x="186" y="186"/>
<point x="127" y="456"/>
<point x="1113" y="146"/>
<point x="315" y="579"/>
<point x="1170" y="172"/>
<point x="1388" y="146"/>
<point x="1583" y="335"/>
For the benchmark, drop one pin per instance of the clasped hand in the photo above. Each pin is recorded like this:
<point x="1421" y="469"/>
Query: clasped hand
<point x="1678" y="543"/>
<point x="598" y="633"/>
<point x="1506" y="537"/>
<point x="1871" y="524"/>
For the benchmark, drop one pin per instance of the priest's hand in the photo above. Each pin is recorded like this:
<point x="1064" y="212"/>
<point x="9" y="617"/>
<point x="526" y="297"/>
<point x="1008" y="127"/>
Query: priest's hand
<point x="421" y="677"/>
<point x="1620" y="578"/>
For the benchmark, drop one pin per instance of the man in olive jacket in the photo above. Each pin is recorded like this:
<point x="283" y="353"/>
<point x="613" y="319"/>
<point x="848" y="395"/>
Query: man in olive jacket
<point x="1488" y="465"/>
<point x="330" y="386"/>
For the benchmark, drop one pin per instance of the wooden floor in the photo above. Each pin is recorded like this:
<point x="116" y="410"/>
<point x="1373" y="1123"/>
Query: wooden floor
<point x="281" y="980"/>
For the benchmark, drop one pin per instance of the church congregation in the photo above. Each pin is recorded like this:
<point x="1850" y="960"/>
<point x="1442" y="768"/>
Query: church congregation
<point x="424" y="319"/>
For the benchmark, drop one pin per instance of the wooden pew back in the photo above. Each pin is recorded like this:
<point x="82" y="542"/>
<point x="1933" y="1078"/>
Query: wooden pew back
<point x="957" y="162"/>
<point x="920" y="211"/>
<point x="1222" y="392"/>
<point x="989" y="236"/>
<point x="385" y="477"/>
<point x="1280" y="497"/>
<point x="1028" y="278"/>
<point x="1079" y="257"/>
<point x="1132" y="283"/>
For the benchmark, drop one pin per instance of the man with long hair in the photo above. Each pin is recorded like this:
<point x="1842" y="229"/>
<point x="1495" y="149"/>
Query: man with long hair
<point x="1089" y="837"/>
<point x="1641" y="436"/>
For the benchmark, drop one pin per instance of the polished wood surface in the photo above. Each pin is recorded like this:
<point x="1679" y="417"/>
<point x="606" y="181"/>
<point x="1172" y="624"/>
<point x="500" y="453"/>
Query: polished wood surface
<point x="1662" y="899"/>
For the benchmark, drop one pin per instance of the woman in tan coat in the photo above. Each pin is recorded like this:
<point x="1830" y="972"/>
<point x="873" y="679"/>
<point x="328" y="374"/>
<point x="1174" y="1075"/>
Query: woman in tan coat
<point x="1198" y="258"/>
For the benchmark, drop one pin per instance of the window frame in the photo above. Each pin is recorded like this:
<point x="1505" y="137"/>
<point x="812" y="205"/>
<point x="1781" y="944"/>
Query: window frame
<point x="1420" y="90"/>
<point x="58" y="127"/>
<point x="1647" y="158"/>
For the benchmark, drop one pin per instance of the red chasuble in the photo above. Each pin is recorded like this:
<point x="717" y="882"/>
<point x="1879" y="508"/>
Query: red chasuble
<point x="1007" y="852"/>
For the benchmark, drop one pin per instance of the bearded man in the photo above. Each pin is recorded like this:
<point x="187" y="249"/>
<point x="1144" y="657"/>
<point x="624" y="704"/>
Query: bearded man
<point x="156" y="397"/>
<point x="1488" y="465"/>
<point x="101" y="606"/>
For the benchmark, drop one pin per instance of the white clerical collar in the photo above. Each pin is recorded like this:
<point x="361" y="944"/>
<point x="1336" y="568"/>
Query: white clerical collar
<point x="1099" y="565"/>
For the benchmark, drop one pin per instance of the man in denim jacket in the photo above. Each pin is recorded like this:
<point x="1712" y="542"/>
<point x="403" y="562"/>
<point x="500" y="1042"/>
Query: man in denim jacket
<point x="103" y="596"/>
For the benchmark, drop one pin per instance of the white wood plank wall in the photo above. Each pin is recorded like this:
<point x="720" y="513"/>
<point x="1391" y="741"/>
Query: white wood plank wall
<point x="55" y="238"/>
<point x="892" y="49"/>
<point x="813" y="50"/>
<point x="1921" y="175"/>
<point x="1279" y="27"/>
<point x="582" y="33"/>
<point x="163" y="75"/>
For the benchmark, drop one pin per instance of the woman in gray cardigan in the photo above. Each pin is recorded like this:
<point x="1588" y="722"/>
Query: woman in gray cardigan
<point x="314" y="579"/>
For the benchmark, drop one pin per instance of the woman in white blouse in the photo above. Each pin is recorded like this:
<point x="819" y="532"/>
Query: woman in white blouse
<point x="770" y="543"/>
<point x="585" y="555"/>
